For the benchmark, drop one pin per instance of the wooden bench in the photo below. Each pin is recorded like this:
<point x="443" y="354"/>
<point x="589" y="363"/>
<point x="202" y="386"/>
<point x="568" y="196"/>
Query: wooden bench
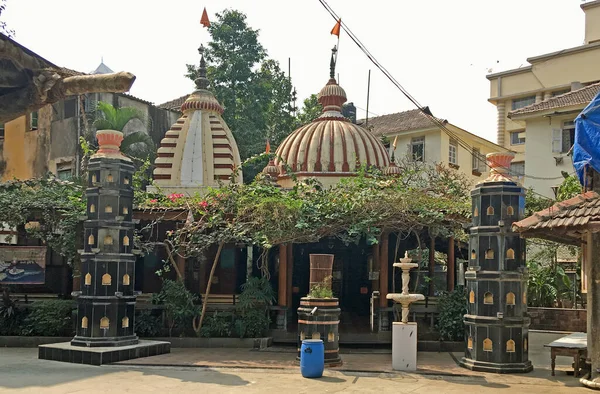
<point x="221" y="301"/>
<point x="573" y="345"/>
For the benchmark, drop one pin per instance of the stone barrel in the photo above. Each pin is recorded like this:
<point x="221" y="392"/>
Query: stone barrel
<point x="321" y="267"/>
<point x="323" y="324"/>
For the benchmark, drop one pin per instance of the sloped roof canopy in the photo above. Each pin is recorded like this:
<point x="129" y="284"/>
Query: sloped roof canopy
<point x="579" y="97"/>
<point x="29" y="82"/>
<point x="564" y="222"/>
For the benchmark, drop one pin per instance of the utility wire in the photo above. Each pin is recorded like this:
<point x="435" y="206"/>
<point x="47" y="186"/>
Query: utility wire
<point x="413" y="100"/>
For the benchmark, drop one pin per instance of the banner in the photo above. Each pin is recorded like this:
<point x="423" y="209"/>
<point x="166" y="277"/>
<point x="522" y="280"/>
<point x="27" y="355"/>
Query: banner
<point x="22" y="265"/>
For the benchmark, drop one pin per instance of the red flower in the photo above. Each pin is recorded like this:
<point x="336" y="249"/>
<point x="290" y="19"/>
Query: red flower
<point x="203" y="204"/>
<point x="174" y="197"/>
<point x="153" y="201"/>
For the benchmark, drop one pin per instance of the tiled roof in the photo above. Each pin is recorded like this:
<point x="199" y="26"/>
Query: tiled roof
<point x="577" y="97"/>
<point x="398" y="122"/>
<point x="174" y="105"/>
<point x="566" y="215"/>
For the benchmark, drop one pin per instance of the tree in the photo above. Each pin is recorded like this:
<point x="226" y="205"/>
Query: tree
<point x="310" y="111"/>
<point x="3" y="27"/>
<point x="253" y="89"/>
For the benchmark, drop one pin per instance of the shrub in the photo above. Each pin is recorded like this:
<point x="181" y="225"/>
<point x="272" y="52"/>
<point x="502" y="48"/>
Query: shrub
<point x="11" y="317"/>
<point x="147" y="324"/>
<point x="252" y="324"/>
<point x="180" y="305"/>
<point x="217" y="325"/>
<point x="253" y="308"/>
<point x="322" y="289"/>
<point x="452" y="307"/>
<point x="49" y="318"/>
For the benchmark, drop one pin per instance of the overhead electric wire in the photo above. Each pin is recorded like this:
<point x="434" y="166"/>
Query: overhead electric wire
<point x="413" y="100"/>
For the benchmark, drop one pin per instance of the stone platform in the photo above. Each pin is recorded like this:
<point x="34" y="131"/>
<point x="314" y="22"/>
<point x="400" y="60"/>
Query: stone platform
<point x="66" y="352"/>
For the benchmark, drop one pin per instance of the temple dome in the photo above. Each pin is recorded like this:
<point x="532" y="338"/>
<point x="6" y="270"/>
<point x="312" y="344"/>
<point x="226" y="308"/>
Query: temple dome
<point x="331" y="146"/>
<point x="199" y="150"/>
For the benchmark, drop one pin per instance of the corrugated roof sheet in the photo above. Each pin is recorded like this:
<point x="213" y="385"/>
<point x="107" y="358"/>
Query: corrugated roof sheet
<point x="402" y="121"/>
<point x="575" y="212"/>
<point x="577" y="97"/>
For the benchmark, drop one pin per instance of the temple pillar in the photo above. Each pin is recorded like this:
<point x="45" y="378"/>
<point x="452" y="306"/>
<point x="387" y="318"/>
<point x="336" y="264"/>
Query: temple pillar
<point x="431" y="266"/>
<point x="593" y="296"/>
<point x="376" y="264"/>
<point x="451" y="267"/>
<point x="383" y="270"/>
<point x="290" y="270"/>
<point x="282" y="288"/>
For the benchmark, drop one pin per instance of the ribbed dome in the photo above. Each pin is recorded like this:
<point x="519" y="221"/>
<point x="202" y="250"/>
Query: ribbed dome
<point x="331" y="143"/>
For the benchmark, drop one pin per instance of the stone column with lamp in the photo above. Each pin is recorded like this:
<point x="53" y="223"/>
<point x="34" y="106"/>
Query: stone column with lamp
<point x="106" y="299"/>
<point x="496" y="323"/>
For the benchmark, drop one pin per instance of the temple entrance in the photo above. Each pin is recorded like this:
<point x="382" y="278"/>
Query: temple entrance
<point x="350" y="280"/>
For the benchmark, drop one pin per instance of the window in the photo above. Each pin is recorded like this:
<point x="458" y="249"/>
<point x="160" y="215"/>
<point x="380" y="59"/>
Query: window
<point x="453" y="152"/>
<point x="1" y="131"/>
<point x="522" y="102"/>
<point x="488" y="298"/>
<point x="563" y="139"/>
<point x="64" y="174"/>
<point x="70" y="109"/>
<point x="33" y="120"/>
<point x="517" y="137"/>
<point x="517" y="169"/>
<point x="478" y="161"/>
<point x="418" y="148"/>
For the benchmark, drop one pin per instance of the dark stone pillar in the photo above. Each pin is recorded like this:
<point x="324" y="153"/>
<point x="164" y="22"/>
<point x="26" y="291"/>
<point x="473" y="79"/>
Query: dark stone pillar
<point x="496" y="324"/>
<point x="106" y="302"/>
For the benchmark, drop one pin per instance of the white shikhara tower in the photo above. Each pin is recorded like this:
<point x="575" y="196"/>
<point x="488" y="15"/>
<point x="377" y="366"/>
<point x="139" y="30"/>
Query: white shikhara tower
<point x="199" y="150"/>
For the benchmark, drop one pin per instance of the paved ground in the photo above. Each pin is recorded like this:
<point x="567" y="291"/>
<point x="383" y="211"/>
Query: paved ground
<point x="22" y="372"/>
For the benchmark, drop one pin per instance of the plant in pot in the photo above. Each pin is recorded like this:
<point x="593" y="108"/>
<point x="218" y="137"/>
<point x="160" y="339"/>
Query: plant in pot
<point x="111" y="122"/>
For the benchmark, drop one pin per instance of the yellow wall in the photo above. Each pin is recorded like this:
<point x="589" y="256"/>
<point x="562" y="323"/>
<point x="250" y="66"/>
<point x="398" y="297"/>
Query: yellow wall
<point x="437" y="145"/>
<point x="592" y="24"/>
<point x="25" y="151"/>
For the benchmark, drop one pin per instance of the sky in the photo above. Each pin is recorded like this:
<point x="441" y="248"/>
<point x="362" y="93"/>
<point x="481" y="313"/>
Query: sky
<point x="439" y="50"/>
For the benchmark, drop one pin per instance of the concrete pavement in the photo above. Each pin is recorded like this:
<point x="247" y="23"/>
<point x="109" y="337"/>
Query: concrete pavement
<point x="22" y="372"/>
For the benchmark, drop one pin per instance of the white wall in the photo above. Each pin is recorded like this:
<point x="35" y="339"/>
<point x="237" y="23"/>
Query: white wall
<point x="539" y="158"/>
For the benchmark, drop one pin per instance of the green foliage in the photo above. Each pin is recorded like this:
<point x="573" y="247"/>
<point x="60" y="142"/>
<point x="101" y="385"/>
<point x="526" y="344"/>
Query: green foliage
<point x="547" y="284"/>
<point x="11" y="317"/>
<point x="322" y="289"/>
<point x="49" y="318"/>
<point x="262" y="214"/>
<point x="217" y="325"/>
<point x="57" y="205"/>
<point x="180" y="305"/>
<point x="569" y="188"/>
<point x="254" y="90"/>
<point x="138" y="145"/>
<point x="452" y="306"/>
<point x="252" y="309"/>
<point x="147" y="323"/>
<point x="3" y="26"/>
<point x="111" y="118"/>
<point x="252" y="324"/>
<point x="310" y="111"/>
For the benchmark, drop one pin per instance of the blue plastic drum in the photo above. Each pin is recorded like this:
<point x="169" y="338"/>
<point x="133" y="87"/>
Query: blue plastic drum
<point x="312" y="358"/>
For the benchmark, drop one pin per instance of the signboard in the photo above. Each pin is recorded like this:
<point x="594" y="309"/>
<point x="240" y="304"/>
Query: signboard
<point x="22" y="265"/>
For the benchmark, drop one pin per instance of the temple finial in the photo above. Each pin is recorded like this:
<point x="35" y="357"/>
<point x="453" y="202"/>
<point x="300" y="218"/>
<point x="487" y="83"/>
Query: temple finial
<point x="202" y="82"/>
<point x="332" y="63"/>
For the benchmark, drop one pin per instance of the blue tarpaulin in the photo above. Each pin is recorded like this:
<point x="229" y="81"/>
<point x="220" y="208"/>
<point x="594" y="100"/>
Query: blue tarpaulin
<point x="586" y="149"/>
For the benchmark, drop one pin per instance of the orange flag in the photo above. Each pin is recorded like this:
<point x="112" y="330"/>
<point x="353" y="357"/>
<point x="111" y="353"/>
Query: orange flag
<point x="337" y="27"/>
<point x="268" y="148"/>
<point x="204" y="20"/>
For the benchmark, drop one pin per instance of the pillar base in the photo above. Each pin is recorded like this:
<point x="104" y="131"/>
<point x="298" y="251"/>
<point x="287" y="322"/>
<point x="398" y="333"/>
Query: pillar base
<point x="404" y="346"/>
<point x="483" y="366"/>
